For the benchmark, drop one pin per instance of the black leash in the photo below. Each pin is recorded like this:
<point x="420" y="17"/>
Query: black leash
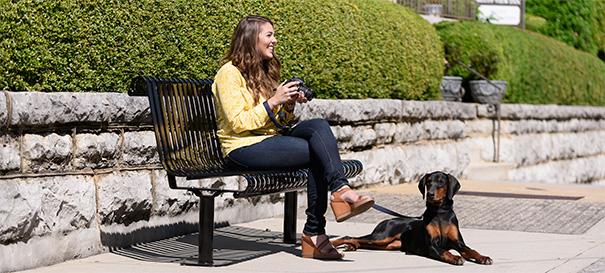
<point x="387" y="211"/>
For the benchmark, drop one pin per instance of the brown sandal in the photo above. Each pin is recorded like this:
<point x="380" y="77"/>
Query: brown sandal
<point x="343" y="210"/>
<point x="309" y="250"/>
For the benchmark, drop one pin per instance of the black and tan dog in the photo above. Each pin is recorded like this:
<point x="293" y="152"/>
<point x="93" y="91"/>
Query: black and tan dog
<point x="431" y="235"/>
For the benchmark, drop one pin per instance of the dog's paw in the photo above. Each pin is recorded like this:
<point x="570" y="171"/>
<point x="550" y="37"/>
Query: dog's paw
<point x="350" y="246"/>
<point x="451" y="258"/>
<point x="485" y="260"/>
<point x="458" y="260"/>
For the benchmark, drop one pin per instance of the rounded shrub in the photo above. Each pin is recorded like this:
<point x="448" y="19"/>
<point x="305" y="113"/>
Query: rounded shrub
<point x="538" y="69"/>
<point x="341" y="48"/>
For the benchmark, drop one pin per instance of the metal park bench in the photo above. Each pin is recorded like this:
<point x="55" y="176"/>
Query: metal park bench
<point x="185" y="128"/>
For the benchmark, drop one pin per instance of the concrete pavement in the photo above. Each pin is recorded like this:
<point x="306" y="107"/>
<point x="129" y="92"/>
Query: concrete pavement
<point x="523" y="227"/>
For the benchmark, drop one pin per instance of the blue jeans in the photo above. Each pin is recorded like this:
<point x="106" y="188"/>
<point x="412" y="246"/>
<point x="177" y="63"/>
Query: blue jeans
<point x="310" y="144"/>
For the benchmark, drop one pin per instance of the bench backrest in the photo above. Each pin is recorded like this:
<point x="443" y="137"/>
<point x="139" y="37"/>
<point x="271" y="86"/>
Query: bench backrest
<point x="185" y="125"/>
<point x="184" y="121"/>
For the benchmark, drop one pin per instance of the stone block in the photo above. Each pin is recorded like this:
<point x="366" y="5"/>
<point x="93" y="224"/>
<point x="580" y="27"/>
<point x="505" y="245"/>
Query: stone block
<point x="529" y="126"/>
<point x="402" y="132"/>
<point x="351" y="111"/>
<point x="42" y="153"/>
<point x="363" y="136"/>
<point x="407" y="132"/>
<point x="39" y="206"/>
<point x="481" y="126"/>
<point x="378" y="166"/>
<point x="3" y="110"/>
<point x="579" y="170"/>
<point x="435" y="129"/>
<point x="97" y="151"/>
<point x="343" y="135"/>
<point x="172" y="202"/>
<point x="582" y="144"/>
<point x="456" y="129"/>
<point x="124" y="197"/>
<point x="385" y="132"/>
<point x="9" y="149"/>
<point x="438" y="110"/>
<point x="140" y="148"/>
<point x="126" y="109"/>
<point x="488" y="147"/>
<point x="532" y="149"/>
<point x="36" y="108"/>
<point x="558" y="112"/>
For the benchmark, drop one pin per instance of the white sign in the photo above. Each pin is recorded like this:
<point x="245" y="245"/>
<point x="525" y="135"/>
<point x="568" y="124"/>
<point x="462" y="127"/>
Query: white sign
<point x="502" y="12"/>
<point x="500" y="2"/>
<point x="500" y="15"/>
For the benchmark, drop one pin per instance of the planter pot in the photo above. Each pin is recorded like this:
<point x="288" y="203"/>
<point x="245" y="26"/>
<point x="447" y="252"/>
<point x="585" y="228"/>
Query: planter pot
<point x="483" y="92"/>
<point x="451" y="88"/>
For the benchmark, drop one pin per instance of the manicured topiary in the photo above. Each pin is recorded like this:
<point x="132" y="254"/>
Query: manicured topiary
<point x="538" y="69"/>
<point x="342" y="48"/>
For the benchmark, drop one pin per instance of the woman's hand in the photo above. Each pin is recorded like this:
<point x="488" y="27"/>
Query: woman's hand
<point x="287" y="93"/>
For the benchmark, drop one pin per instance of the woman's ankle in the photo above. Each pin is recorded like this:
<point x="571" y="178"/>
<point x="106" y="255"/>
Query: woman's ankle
<point x="319" y="239"/>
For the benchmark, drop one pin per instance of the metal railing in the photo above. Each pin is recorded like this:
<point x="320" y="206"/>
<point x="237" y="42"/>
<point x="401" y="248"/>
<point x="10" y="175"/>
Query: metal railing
<point x="459" y="9"/>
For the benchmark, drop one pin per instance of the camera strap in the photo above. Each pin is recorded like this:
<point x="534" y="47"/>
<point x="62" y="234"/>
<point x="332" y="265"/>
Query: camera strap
<point x="283" y="128"/>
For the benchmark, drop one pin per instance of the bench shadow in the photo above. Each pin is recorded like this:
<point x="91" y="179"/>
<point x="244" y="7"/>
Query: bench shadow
<point x="232" y="245"/>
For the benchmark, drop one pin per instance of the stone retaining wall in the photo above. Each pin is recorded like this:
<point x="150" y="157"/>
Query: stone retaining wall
<point x="79" y="172"/>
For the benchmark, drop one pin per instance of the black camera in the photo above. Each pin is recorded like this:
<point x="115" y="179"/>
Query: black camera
<point x="308" y="92"/>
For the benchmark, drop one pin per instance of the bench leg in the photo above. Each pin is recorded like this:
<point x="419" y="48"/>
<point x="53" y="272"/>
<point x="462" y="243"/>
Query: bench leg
<point x="290" y="206"/>
<point x="206" y="232"/>
<point x="206" y="227"/>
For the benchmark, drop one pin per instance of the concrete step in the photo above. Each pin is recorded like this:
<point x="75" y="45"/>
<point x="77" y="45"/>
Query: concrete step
<point x="488" y="171"/>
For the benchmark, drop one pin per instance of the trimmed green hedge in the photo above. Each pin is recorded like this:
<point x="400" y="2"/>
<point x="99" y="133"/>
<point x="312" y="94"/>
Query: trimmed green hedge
<point x="568" y="21"/>
<point x="342" y="48"/>
<point x="538" y="69"/>
<point x="599" y="27"/>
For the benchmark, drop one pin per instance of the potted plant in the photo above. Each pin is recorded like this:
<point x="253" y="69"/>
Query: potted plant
<point x="451" y="86"/>
<point x="483" y="90"/>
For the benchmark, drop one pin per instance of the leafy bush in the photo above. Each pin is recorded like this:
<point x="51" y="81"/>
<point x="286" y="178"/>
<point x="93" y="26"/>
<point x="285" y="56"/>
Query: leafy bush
<point x="534" y="23"/>
<point x="342" y="48"/>
<point x="570" y="22"/>
<point x="538" y="69"/>
<point x="599" y="27"/>
<point x="473" y="44"/>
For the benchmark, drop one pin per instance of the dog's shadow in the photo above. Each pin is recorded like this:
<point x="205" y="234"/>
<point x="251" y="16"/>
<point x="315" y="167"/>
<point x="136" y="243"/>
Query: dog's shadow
<point x="232" y="245"/>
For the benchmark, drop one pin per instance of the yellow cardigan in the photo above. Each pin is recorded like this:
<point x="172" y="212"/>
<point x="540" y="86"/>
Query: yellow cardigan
<point x="240" y="123"/>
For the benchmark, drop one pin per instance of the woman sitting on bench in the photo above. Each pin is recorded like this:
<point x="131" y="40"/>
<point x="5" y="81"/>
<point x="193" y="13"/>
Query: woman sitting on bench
<point x="246" y="87"/>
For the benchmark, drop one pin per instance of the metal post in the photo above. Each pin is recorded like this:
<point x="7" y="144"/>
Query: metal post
<point x="496" y="133"/>
<point x="290" y="206"/>
<point x="498" y="114"/>
<point x="206" y="228"/>
<point x="497" y="106"/>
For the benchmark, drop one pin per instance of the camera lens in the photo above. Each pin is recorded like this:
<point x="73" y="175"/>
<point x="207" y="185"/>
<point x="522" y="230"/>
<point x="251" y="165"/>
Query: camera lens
<point x="307" y="91"/>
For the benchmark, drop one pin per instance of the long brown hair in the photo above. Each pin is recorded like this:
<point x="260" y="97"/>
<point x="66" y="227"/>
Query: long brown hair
<point x="262" y="76"/>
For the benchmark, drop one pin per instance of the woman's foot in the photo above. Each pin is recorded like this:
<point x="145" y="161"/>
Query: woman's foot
<point x="346" y="203"/>
<point x="319" y="247"/>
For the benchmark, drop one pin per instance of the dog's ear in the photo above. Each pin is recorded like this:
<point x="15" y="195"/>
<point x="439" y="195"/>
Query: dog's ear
<point x="452" y="187"/>
<point x="422" y="184"/>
